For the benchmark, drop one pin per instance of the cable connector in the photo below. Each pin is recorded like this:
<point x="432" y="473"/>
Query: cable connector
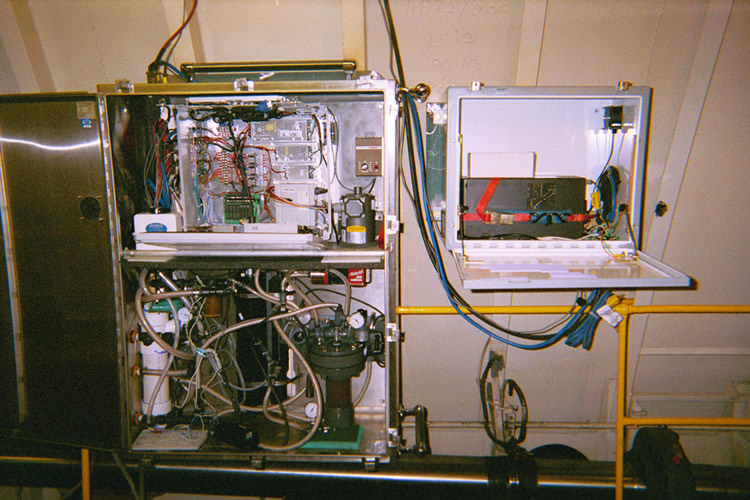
<point x="497" y="363"/>
<point x="155" y="76"/>
<point x="420" y="91"/>
<point x="613" y="118"/>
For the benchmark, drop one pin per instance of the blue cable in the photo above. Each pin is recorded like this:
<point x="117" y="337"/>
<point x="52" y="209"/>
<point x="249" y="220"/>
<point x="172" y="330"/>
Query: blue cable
<point x="174" y="70"/>
<point x="153" y="188"/>
<point x="444" y="280"/>
<point x="161" y="199"/>
<point x="613" y="209"/>
<point x="165" y="198"/>
<point x="584" y="334"/>
<point x="433" y="240"/>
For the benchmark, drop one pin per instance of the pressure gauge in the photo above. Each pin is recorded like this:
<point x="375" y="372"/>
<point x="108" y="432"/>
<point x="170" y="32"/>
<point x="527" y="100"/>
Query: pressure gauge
<point x="304" y="318"/>
<point x="184" y="315"/>
<point x="311" y="409"/>
<point x="357" y="320"/>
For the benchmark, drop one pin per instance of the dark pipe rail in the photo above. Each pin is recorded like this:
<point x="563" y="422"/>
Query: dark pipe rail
<point x="408" y="477"/>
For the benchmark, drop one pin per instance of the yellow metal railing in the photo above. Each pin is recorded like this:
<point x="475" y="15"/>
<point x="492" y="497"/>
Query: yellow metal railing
<point x="85" y="475"/>
<point x="626" y="309"/>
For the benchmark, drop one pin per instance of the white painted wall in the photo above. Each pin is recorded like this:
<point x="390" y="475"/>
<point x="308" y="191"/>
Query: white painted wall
<point x="694" y="53"/>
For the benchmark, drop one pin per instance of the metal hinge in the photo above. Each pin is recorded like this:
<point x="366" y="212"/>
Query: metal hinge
<point x="243" y="84"/>
<point x="258" y="462"/>
<point x="394" y="438"/>
<point x="439" y="112"/>
<point x="392" y="111"/>
<point x="366" y="80"/>
<point x="392" y="224"/>
<point x="393" y="334"/>
<point x="124" y="86"/>
<point x="370" y="463"/>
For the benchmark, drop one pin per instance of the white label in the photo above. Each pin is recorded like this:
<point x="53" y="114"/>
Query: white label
<point x="608" y="315"/>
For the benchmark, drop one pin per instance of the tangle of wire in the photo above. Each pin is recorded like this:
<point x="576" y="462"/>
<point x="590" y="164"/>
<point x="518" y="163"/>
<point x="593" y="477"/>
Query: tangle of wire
<point x="161" y="171"/>
<point x="198" y="339"/>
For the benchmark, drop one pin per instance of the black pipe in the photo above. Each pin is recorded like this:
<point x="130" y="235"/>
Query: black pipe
<point x="407" y="477"/>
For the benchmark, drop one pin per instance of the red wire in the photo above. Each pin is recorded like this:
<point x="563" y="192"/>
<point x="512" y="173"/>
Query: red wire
<point x="157" y="187"/>
<point x="182" y="26"/>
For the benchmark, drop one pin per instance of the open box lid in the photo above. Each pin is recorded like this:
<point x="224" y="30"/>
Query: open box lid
<point x="524" y="166"/>
<point x="563" y="268"/>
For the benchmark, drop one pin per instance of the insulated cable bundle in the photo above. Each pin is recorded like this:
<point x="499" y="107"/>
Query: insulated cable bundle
<point x="155" y="68"/>
<point x="418" y="174"/>
<point x="509" y="440"/>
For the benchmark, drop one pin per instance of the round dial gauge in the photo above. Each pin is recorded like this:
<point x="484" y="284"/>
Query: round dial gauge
<point x="357" y="320"/>
<point x="311" y="410"/>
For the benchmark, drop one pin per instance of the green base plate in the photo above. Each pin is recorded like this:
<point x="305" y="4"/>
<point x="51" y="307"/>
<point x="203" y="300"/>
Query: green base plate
<point x="336" y="439"/>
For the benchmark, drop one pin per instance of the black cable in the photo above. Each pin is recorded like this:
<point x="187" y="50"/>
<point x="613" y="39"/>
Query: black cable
<point x="390" y="48"/>
<point x="239" y="159"/>
<point x="512" y="386"/>
<point x="158" y="61"/>
<point x="221" y="345"/>
<point x="312" y="291"/>
<point x="512" y="444"/>
<point x="433" y="252"/>
<point x="168" y="55"/>
<point x="399" y="152"/>
<point x="630" y="229"/>
<point x="611" y="152"/>
<point x="284" y="416"/>
<point x="394" y="42"/>
<point x="505" y="445"/>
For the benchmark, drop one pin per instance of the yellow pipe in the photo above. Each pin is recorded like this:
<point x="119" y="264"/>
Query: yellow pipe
<point x="442" y="310"/>
<point x="689" y="309"/>
<point x="626" y="308"/>
<point x="703" y="422"/>
<point x="623" y="308"/>
<point x="622" y="404"/>
<point x="85" y="475"/>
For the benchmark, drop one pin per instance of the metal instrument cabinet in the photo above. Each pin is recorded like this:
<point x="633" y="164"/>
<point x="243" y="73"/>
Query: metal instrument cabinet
<point x="527" y="165"/>
<point x="204" y="187"/>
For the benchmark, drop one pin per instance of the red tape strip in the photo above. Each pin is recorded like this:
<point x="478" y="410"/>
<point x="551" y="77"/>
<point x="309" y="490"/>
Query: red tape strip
<point x="487" y="196"/>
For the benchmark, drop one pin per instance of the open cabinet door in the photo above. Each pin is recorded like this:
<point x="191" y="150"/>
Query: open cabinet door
<point x="59" y="342"/>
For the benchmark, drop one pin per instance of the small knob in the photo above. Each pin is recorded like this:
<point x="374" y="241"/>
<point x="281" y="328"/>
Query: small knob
<point x="421" y="92"/>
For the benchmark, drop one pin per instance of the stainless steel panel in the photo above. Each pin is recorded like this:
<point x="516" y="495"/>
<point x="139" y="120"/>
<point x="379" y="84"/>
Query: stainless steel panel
<point x="8" y="380"/>
<point x="57" y="214"/>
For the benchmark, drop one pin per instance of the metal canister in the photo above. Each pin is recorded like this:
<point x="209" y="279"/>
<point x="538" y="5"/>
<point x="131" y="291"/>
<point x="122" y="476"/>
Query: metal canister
<point x="357" y="219"/>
